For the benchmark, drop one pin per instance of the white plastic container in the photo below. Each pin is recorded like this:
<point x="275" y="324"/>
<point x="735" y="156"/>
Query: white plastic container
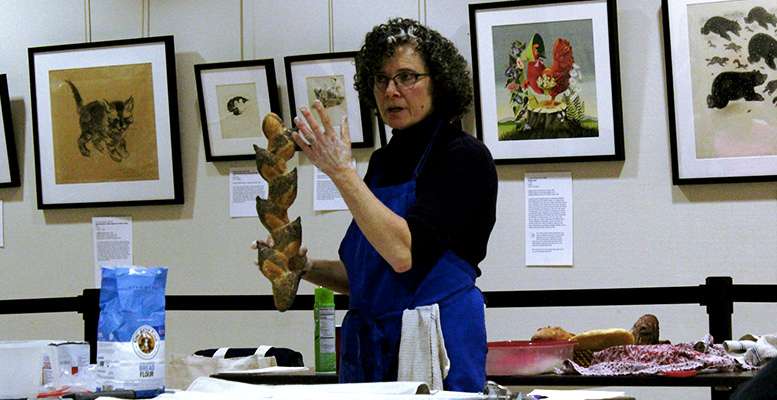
<point x="21" y="369"/>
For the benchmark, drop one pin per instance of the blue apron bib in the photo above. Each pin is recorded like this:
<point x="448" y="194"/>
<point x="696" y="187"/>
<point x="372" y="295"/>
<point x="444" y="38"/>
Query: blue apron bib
<point x="372" y="327"/>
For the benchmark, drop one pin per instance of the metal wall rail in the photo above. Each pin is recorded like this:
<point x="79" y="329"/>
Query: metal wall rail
<point x="717" y="294"/>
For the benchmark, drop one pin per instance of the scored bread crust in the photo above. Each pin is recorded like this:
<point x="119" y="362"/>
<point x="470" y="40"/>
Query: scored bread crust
<point x="281" y="264"/>
<point x="599" y="339"/>
<point x="551" y="333"/>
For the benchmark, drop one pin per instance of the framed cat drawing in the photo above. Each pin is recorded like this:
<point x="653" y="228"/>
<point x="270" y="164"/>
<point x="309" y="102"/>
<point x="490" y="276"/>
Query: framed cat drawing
<point x="105" y="124"/>
<point x="234" y="97"/>
<point x="722" y="89"/>
<point x="9" y="169"/>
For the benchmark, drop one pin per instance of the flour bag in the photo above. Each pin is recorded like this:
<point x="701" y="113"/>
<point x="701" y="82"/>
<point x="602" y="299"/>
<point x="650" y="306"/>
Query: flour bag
<point x="131" y="330"/>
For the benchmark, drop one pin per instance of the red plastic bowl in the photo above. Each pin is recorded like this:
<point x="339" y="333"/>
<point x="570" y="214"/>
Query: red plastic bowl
<point x="523" y="357"/>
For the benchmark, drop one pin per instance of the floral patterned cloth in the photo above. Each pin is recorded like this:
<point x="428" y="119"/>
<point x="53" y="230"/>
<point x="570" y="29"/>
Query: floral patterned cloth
<point x="653" y="360"/>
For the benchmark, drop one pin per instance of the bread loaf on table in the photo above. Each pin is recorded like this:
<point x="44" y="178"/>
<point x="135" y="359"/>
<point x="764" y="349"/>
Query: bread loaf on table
<point x="645" y="330"/>
<point x="551" y="333"/>
<point x="599" y="339"/>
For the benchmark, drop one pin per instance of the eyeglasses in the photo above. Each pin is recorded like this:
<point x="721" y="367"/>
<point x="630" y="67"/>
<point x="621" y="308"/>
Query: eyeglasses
<point x="402" y="80"/>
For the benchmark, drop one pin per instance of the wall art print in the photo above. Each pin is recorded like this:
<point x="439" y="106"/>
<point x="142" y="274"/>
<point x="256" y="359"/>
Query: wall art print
<point x="233" y="98"/>
<point x="105" y="124"/>
<point x="723" y="89"/>
<point x="102" y="119"/>
<point x="328" y="77"/>
<point x="9" y="167"/>
<point x="546" y="77"/>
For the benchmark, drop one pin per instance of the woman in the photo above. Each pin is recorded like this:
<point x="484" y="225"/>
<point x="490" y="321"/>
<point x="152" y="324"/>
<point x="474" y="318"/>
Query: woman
<point x="421" y="216"/>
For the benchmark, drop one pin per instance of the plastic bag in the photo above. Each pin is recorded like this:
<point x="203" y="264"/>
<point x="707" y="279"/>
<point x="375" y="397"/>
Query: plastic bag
<point x="182" y="370"/>
<point x="131" y="330"/>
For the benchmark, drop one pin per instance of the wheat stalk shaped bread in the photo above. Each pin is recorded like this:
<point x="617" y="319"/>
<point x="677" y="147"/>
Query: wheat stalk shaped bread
<point x="281" y="263"/>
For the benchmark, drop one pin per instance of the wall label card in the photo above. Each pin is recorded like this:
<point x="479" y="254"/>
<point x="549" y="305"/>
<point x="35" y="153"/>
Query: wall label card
<point x="548" y="218"/>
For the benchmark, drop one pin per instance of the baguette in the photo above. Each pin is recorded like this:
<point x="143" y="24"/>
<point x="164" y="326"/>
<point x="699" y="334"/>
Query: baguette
<point x="599" y="339"/>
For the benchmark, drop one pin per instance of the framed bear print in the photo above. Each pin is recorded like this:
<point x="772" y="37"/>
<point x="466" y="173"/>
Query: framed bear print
<point x="547" y="80"/>
<point x="234" y="97"/>
<point x="9" y="168"/>
<point x="722" y="89"/>
<point x="105" y="124"/>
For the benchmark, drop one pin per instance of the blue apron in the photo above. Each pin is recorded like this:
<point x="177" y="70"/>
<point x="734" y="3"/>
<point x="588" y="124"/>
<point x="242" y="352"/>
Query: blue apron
<point x="378" y="295"/>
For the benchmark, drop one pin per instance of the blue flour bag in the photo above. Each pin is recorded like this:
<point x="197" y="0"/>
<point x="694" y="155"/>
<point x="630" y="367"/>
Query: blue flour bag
<point x="131" y="330"/>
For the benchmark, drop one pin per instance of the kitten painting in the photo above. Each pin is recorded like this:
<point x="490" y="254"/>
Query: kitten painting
<point x="104" y="124"/>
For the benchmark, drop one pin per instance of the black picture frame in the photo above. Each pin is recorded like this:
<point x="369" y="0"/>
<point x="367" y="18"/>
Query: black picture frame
<point x="303" y="72"/>
<point x="129" y="154"/>
<point x="525" y="115"/>
<point x="719" y="135"/>
<point x="228" y="130"/>
<point x="384" y="131"/>
<point x="9" y="165"/>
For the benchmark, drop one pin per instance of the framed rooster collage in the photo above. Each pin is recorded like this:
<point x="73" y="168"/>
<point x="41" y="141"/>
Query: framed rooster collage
<point x="722" y="89"/>
<point x="547" y="83"/>
<point x="105" y="123"/>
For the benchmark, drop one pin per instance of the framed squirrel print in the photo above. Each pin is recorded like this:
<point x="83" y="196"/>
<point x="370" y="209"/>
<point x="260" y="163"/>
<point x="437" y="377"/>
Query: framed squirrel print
<point x="547" y="86"/>
<point x="234" y="97"/>
<point x="328" y="78"/>
<point x="9" y="168"/>
<point x="105" y="124"/>
<point x="722" y="88"/>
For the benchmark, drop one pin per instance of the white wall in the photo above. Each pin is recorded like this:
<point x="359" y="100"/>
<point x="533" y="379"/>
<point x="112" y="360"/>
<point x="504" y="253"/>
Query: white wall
<point x="632" y="226"/>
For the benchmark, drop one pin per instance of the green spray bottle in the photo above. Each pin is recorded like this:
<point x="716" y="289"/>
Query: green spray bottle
<point x="324" y="315"/>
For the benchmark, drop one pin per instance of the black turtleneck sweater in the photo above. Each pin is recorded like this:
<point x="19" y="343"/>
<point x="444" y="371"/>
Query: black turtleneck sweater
<point x="455" y="192"/>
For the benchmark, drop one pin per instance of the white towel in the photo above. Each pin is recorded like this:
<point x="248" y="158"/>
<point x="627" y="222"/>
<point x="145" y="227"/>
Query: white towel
<point x="422" y="354"/>
<point x="764" y="350"/>
<point x="738" y="346"/>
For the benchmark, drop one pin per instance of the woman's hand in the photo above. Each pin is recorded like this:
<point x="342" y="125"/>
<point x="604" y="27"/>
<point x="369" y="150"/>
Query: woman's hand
<point x="328" y="150"/>
<point x="303" y="252"/>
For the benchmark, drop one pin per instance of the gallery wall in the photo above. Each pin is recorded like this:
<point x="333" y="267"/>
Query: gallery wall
<point x="632" y="227"/>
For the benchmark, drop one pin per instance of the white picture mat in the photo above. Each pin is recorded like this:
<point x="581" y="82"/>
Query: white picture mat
<point x="486" y="20"/>
<point x="160" y="189"/>
<point x="5" y="165"/>
<point x="689" y="166"/>
<point x="213" y="78"/>
<point x="343" y="66"/>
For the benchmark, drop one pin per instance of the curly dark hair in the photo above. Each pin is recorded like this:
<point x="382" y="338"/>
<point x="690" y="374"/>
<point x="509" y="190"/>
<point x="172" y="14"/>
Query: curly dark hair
<point x="452" y="85"/>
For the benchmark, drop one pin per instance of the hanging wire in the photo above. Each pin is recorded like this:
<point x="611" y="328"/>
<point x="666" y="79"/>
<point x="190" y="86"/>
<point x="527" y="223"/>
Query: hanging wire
<point x="88" y="20"/>
<point x="145" y="18"/>
<point x="148" y="18"/>
<point x="142" y="17"/>
<point x="242" y="33"/>
<point x="331" y="26"/>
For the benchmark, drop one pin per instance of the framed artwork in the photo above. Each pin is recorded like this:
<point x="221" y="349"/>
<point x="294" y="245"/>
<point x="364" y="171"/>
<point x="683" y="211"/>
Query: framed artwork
<point x="234" y="97"/>
<point x="547" y="85"/>
<point x="722" y="89"/>
<point x="9" y="167"/>
<point x="328" y="77"/>
<point x="105" y="124"/>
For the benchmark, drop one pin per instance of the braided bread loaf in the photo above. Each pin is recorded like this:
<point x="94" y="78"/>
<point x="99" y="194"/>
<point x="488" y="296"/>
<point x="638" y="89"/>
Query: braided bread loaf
<point x="281" y="263"/>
